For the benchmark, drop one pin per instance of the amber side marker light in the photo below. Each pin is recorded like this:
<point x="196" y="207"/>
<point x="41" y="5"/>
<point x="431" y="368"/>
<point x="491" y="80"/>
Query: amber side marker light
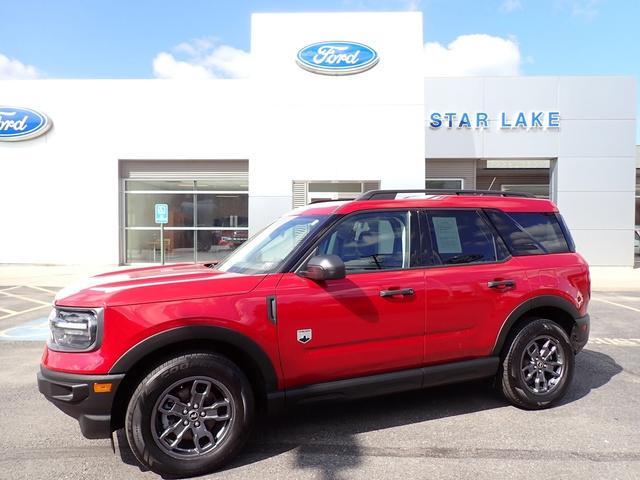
<point x="102" y="387"/>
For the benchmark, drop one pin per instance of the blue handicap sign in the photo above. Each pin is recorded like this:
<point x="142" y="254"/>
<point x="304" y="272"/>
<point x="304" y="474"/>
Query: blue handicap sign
<point x="162" y="213"/>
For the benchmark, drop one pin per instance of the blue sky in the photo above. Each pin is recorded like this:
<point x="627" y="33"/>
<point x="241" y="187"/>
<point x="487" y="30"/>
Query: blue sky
<point x="121" y="39"/>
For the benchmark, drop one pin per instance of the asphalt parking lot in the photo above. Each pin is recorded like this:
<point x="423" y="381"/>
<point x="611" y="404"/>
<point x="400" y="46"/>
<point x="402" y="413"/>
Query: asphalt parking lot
<point x="462" y="431"/>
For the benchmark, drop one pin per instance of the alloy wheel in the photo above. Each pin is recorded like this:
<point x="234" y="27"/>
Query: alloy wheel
<point x="192" y="417"/>
<point x="542" y="364"/>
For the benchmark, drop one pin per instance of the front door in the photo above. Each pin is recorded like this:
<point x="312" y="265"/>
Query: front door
<point x="472" y="288"/>
<point x="371" y="321"/>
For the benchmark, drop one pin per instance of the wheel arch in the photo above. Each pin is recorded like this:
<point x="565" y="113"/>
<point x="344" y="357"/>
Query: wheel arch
<point x="553" y="307"/>
<point x="240" y="349"/>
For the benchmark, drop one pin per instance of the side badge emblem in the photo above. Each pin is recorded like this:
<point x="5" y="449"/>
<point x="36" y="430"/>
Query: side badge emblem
<point x="304" y="336"/>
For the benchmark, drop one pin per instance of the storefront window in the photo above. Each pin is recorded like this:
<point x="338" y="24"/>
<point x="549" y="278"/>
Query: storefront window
<point x="444" y="184"/>
<point x="207" y="219"/>
<point x="222" y="210"/>
<point x="140" y="209"/>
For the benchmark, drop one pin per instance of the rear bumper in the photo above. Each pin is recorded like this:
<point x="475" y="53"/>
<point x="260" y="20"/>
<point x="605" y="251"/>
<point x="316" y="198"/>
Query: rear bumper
<point x="74" y="395"/>
<point x="580" y="333"/>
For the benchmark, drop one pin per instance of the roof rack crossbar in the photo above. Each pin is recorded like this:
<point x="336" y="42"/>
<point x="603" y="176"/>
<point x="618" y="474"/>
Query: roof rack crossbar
<point x="391" y="194"/>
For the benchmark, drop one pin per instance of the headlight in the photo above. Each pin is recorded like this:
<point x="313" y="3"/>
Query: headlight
<point x="74" y="330"/>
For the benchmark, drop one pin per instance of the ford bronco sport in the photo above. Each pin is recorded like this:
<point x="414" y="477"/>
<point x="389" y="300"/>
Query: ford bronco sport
<point x="337" y="300"/>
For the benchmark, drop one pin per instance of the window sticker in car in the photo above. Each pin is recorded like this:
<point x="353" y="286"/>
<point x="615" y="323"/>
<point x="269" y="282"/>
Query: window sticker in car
<point x="447" y="236"/>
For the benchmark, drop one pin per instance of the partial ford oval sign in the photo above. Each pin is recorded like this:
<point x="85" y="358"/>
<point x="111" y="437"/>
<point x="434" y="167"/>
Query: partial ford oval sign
<point x="17" y="123"/>
<point x="337" y="58"/>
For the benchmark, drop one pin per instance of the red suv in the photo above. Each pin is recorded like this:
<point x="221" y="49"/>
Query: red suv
<point x="336" y="300"/>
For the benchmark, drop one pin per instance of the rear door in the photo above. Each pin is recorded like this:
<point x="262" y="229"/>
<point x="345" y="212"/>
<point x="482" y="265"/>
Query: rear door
<point x="472" y="287"/>
<point x="371" y="321"/>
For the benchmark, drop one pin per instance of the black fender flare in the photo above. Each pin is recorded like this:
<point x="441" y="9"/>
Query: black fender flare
<point x="542" y="301"/>
<point x="200" y="332"/>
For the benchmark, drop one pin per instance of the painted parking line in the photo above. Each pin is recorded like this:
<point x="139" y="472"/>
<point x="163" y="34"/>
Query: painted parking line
<point x="21" y="297"/>
<point x="42" y="289"/>
<point x="618" y="342"/>
<point x="25" y="311"/>
<point x="633" y="309"/>
<point x="10" y="288"/>
<point x="6" y="310"/>
<point x="35" y="330"/>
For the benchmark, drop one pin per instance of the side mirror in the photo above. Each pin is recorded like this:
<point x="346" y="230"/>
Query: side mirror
<point x="324" y="267"/>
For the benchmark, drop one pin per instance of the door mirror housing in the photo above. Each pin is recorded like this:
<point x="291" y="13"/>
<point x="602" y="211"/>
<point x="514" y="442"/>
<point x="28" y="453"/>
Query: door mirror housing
<point x="324" y="267"/>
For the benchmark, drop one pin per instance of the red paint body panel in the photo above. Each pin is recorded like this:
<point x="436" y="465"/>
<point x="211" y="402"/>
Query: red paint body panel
<point x="127" y="325"/>
<point x="565" y="275"/>
<point x="464" y="315"/>
<point x="155" y="284"/>
<point x="355" y="330"/>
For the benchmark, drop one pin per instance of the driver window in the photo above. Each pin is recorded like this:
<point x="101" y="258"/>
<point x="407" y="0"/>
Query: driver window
<point x="372" y="241"/>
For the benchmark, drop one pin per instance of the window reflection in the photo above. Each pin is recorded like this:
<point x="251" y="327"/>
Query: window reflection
<point x="223" y="210"/>
<point x="203" y="225"/>
<point x="140" y="209"/>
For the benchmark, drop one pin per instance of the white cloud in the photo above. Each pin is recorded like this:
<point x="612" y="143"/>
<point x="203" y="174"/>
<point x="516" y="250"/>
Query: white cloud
<point x="509" y="6"/>
<point x="476" y="54"/>
<point x="202" y="58"/>
<point x="11" y="69"/>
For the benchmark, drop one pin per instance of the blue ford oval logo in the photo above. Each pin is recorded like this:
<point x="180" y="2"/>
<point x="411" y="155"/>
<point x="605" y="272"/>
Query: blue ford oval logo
<point x="337" y="58"/>
<point x="21" y="124"/>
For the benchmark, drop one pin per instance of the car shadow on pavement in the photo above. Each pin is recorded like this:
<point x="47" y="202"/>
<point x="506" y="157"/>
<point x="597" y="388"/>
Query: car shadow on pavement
<point x="324" y="435"/>
<point x="593" y="370"/>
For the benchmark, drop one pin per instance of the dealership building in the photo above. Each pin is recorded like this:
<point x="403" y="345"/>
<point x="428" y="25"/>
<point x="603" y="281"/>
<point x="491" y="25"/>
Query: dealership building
<point x="228" y="156"/>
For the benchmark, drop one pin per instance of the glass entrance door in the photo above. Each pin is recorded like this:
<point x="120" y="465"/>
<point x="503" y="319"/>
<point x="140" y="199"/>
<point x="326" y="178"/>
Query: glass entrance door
<point x="207" y="219"/>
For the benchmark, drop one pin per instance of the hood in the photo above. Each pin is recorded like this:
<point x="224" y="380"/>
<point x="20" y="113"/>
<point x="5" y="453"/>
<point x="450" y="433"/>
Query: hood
<point x="155" y="284"/>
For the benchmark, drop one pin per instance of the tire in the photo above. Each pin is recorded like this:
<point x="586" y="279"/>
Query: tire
<point x="158" y="404"/>
<point x="525" y="373"/>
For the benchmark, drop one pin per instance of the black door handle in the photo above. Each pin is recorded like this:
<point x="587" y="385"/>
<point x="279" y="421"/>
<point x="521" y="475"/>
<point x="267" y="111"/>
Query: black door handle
<point x="501" y="284"/>
<point x="400" y="291"/>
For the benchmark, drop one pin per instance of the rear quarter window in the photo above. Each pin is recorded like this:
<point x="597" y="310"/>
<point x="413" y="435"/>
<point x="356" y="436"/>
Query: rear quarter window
<point x="532" y="233"/>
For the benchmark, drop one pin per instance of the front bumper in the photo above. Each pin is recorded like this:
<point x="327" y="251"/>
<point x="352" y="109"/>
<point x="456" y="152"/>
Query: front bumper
<point x="580" y="333"/>
<point x="74" y="395"/>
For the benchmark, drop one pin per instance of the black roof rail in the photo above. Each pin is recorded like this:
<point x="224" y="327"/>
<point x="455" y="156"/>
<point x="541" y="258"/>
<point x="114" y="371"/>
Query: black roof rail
<point x="325" y="200"/>
<point x="391" y="194"/>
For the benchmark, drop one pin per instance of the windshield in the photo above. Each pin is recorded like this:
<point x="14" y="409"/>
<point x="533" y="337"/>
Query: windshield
<point x="265" y="252"/>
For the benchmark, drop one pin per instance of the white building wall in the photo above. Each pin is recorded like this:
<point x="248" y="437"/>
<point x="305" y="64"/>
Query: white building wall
<point x="60" y="192"/>
<point x="316" y="127"/>
<point x="594" y="169"/>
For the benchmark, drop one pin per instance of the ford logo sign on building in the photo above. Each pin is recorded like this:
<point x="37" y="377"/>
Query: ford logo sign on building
<point x="337" y="58"/>
<point x="22" y="124"/>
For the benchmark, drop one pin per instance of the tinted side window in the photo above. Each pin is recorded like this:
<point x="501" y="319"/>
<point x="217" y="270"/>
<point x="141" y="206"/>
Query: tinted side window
<point x="463" y="236"/>
<point x="530" y="233"/>
<point x="374" y="241"/>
